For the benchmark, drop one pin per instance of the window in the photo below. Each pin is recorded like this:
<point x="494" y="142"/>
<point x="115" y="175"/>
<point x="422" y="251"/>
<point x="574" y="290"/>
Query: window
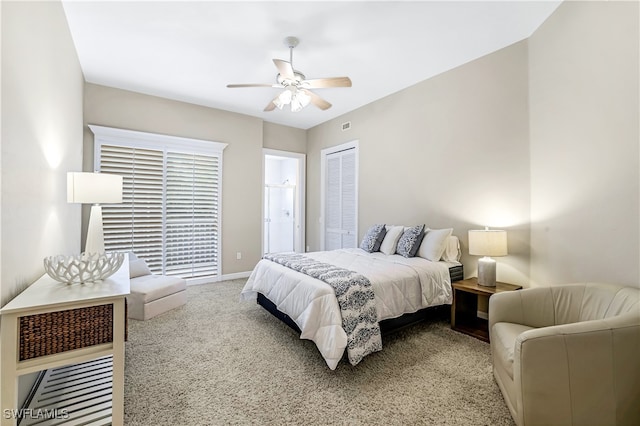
<point x="191" y="243"/>
<point x="170" y="214"/>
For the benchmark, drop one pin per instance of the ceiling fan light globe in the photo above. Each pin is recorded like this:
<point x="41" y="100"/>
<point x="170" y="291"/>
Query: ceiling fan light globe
<point x="303" y="98"/>
<point x="296" y="105"/>
<point x="285" y="97"/>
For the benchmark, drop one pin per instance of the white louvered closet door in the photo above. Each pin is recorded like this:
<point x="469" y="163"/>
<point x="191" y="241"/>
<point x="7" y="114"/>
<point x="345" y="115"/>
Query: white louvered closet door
<point x="341" y="200"/>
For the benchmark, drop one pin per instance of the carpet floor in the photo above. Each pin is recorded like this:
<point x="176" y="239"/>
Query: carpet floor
<point x="218" y="361"/>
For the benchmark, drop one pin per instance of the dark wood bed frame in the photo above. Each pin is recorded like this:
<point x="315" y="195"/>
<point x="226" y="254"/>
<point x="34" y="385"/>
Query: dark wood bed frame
<point x="386" y="326"/>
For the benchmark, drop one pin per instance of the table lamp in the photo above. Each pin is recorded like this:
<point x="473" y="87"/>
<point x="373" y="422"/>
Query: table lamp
<point x="94" y="188"/>
<point x="487" y="242"/>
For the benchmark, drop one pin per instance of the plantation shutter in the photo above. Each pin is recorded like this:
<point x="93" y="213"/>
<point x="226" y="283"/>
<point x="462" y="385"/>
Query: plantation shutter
<point x="170" y="214"/>
<point x="136" y="224"/>
<point x="192" y="214"/>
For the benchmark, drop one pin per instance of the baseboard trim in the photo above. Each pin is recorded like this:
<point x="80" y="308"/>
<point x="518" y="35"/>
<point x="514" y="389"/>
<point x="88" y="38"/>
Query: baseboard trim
<point x="225" y="277"/>
<point x="482" y="315"/>
<point x="235" y="276"/>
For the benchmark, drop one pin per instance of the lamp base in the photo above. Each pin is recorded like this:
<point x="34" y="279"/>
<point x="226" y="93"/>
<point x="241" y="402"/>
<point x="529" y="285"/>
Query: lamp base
<point x="487" y="272"/>
<point x="95" y="232"/>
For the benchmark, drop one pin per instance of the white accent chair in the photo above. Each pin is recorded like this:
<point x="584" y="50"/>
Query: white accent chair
<point x="151" y="294"/>
<point x="568" y="354"/>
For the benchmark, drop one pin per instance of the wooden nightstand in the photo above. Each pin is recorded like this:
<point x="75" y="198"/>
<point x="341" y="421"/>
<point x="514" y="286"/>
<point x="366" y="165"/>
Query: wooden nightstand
<point x="464" y="317"/>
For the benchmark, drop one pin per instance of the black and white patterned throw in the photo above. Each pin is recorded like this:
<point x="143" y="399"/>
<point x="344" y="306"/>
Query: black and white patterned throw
<point x="355" y="298"/>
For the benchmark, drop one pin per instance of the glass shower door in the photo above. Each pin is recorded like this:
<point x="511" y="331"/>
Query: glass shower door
<point x="279" y="218"/>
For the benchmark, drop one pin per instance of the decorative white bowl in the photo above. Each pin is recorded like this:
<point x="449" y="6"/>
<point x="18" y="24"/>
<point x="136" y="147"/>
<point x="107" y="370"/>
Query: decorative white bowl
<point x="83" y="268"/>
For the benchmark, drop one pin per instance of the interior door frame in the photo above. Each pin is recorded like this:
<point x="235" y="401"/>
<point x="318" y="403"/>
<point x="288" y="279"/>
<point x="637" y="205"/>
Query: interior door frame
<point x="323" y="183"/>
<point x="299" y="244"/>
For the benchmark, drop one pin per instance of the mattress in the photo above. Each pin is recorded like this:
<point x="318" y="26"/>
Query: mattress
<point x="401" y="285"/>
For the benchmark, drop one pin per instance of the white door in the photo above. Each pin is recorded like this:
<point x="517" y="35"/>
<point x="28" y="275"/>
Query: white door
<point x="340" y="198"/>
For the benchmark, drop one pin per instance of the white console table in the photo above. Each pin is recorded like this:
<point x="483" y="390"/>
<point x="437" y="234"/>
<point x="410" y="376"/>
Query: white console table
<point x="51" y="324"/>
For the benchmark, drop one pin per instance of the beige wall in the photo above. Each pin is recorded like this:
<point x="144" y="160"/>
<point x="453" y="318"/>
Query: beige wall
<point x="540" y="138"/>
<point x="242" y="166"/>
<point x="585" y="191"/>
<point x="451" y="151"/>
<point x="284" y="138"/>
<point x="41" y="140"/>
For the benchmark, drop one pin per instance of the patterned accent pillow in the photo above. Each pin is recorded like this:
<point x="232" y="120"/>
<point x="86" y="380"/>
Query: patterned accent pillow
<point x="409" y="243"/>
<point x="373" y="238"/>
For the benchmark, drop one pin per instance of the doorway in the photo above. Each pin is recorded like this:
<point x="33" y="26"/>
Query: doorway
<point x="283" y="201"/>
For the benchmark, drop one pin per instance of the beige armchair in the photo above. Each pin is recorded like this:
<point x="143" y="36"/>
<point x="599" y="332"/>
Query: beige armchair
<point x="569" y="354"/>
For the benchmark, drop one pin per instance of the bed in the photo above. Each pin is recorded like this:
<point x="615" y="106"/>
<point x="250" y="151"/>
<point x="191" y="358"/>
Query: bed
<point x="403" y="288"/>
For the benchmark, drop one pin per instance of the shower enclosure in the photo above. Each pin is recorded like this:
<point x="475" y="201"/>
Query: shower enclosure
<point x="282" y="227"/>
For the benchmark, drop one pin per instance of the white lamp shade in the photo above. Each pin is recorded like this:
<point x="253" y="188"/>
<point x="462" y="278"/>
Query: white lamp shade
<point x="93" y="188"/>
<point x="488" y="242"/>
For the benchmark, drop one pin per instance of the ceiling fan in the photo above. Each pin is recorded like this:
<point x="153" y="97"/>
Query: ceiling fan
<point x="297" y="93"/>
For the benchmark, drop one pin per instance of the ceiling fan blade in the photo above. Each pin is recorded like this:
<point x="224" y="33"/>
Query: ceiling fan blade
<point x="284" y="68"/>
<point x="271" y="105"/>
<point x="234" y="86"/>
<point x="322" y="83"/>
<point x="317" y="100"/>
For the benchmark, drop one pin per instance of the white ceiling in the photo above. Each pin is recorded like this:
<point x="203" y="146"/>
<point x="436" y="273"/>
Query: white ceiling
<point x="190" y="51"/>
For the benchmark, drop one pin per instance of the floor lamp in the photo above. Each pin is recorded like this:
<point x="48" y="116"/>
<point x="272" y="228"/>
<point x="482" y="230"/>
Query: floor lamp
<point x="487" y="242"/>
<point x="94" y="188"/>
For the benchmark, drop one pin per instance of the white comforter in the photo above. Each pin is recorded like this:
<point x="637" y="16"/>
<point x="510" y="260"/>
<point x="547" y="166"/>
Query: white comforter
<point x="401" y="285"/>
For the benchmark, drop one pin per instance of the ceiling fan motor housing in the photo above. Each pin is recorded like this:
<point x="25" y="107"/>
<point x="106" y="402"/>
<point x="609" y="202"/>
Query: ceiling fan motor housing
<point x="298" y="78"/>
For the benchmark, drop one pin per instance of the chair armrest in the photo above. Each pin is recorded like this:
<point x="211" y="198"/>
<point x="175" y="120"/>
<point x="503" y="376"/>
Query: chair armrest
<point x="580" y="373"/>
<point x="532" y="307"/>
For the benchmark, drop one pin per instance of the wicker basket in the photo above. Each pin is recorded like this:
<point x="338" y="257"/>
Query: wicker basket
<point x="55" y="332"/>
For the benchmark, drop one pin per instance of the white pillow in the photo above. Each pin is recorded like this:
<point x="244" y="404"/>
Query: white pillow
<point x="434" y="243"/>
<point x="390" y="242"/>
<point x="138" y="268"/>
<point x="452" y="251"/>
